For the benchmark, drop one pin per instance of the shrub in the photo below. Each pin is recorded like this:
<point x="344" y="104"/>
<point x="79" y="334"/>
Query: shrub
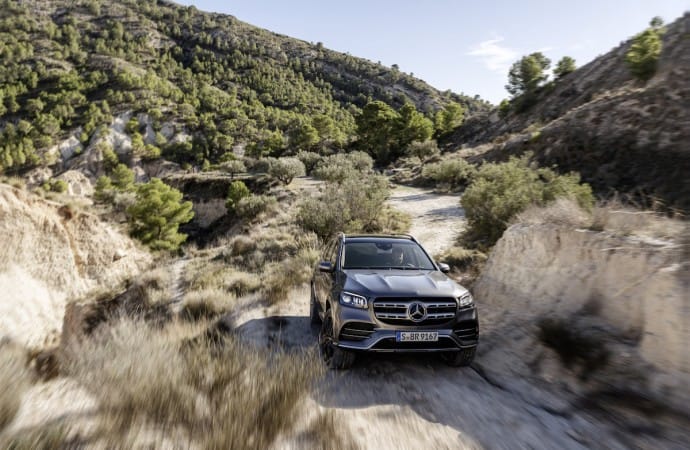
<point x="233" y="167"/>
<point x="250" y="207"/>
<point x="452" y="173"/>
<point x="504" y="107"/>
<point x="204" y="304"/>
<point x="285" y="169"/>
<point x="423" y="150"/>
<point x="237" y="191"/>
<point x="58" y="186"/>
<point x="157" y="214"/>
<point x="499" y="191"/>
<point x="361" y="161"/>
<point x="337" y="168"/>
<point x="309" y="159"/>
<point x="354" y="205"/>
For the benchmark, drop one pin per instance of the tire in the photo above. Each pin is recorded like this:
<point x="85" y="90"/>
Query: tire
<point x="463" y="358"/>
<point x="334" y="357"/>
<point x="314" y="317"/>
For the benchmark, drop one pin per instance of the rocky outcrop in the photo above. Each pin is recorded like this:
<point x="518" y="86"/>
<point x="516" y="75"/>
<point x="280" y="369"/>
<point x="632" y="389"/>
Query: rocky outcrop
<point x="624" y="298"/>
<point x="53" y="254"/>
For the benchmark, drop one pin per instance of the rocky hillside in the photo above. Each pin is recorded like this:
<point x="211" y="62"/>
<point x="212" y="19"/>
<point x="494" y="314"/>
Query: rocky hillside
<point x="71" y="67"/>
<point x="620" y="133"/>
<point x="53" y="254"/>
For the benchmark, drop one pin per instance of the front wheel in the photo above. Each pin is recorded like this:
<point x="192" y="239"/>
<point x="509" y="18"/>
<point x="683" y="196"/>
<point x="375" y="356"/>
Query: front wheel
<point x="334" y="357"/>
<point x="314" y="318"/>
<point x="462" y="358"/>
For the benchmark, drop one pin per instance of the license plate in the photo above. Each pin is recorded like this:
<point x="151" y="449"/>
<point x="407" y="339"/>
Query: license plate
<point x="416" y="336"/>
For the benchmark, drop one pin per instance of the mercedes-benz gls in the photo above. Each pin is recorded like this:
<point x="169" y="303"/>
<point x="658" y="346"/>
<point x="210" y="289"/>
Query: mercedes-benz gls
<point x="378" y="293"/>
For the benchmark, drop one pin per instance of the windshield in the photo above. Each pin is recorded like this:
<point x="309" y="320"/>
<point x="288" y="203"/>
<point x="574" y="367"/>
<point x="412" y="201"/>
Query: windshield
<point x="385" y="255"/>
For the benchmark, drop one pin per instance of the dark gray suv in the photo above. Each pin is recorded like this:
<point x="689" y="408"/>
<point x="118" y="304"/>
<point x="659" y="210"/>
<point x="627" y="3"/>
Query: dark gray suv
<point x="379" y="293"/>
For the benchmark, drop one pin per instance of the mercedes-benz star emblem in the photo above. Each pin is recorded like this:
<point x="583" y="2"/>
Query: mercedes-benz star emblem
<point x="416" y="312"/>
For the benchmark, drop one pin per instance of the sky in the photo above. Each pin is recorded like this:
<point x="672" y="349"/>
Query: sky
<point x="466" y="46"/>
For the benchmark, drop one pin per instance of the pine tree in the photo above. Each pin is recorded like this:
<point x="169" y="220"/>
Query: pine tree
<point x="157" y="214"/>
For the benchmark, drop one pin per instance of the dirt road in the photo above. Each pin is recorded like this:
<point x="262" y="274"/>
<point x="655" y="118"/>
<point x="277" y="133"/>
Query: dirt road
<point x="437" y="219"/>
<point x="415" y="401"/>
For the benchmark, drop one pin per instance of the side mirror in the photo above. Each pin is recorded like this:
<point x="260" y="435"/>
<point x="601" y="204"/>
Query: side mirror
<point x="326" y="266"/>
<point x="445" y="268"/>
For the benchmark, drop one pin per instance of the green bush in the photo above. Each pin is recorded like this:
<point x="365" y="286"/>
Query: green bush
<point x="309" y="159"/>
<point x="233" y="167"/>
<point x="58" y="186"/>
<point x="250" y="207"/>
<point x="341" y="166"/>
<point x="237" y="191"/>
<point x="423" y="150"/>
<point x="355" y="205"/>
<point x="157" y="214"/>
<point x="499" y="191"/>
<point x="285" y="169"/>
<point x="452" y="173"/>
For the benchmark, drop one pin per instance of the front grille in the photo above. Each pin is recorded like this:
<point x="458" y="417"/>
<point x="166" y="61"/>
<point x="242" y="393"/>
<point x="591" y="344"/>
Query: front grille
<point x="356" y="331"/>
<point x="394" y="310"/>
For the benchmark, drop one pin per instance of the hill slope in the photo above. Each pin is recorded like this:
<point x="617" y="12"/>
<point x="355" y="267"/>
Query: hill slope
<point x="71" y="66"/>
<point x="619" y="133"/>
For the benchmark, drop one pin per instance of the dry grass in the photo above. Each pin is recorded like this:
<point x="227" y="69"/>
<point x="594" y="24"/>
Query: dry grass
<point x="466" y="263"/>
<point x="205" y="304"/>
<point x="292" y="272"/>
<point x="610" y="216"/>
<point x="563" y="211"/>
<point x="54" y="436"/>
<point x="393" y="221"/>
<point x="614" y="217"/>
<point x="14" y="381"/>
<point x="15" y="182"/>
<point x="207" y="393"/>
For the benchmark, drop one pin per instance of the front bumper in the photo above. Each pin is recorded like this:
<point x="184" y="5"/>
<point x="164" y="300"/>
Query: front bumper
<point x="359" y="330"/>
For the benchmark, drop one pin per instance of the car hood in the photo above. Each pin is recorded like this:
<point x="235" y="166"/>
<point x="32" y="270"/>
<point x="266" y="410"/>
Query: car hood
<point x="394" y="283"/>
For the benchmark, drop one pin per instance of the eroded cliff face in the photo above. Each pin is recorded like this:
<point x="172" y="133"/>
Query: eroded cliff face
<point x="50" y="255"/>
<point x="629" y="294"/>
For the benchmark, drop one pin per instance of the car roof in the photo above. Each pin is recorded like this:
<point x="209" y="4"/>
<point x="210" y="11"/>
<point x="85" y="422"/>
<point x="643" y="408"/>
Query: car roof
<point x="377" y="237"/>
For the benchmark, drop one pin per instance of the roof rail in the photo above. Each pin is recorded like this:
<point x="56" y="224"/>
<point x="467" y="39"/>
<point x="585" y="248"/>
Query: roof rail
<point x="381" y="235"/>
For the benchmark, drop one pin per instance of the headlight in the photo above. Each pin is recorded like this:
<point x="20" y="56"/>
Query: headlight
<point x="354" y="300"/>
<point x="465" y="300"/>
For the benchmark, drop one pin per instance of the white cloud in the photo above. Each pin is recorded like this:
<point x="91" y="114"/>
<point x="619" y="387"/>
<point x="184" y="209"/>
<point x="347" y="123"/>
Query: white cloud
<point x="496" y="57"/>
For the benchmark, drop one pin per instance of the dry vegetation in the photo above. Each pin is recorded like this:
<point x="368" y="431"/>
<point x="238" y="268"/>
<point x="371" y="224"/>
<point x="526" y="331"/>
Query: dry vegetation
<point x="608" y="216"/>
<point x="208" y="391"/>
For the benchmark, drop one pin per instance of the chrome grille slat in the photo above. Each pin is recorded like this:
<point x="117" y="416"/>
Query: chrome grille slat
<point x="387" y="309"/>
